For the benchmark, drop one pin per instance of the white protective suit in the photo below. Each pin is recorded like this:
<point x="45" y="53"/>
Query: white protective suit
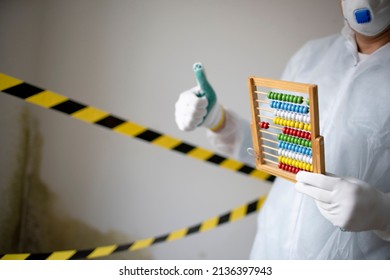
<point x="354" y="104"/>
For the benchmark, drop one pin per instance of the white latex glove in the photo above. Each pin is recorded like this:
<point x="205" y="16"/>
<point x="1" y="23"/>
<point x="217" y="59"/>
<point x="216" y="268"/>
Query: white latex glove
<point x="190" y="111"/>
<point x="198" y="106"/>
<point x="350" y="204"/>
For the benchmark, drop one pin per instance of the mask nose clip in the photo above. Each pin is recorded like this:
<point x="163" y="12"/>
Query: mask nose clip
<point x="362" y="15"/>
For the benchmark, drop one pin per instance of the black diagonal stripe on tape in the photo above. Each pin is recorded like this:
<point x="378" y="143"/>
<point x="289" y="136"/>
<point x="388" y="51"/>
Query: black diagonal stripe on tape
<point x="110" y="122"/>
<point x="41" y="256"/>
<point x="252" y="207"/>
<point x="271" y="178"/>
<point x="23" y="90"/>
<point x="148" y="135"/>
<point x="123" y="247"/>
<point x="217" y="159"/>
<point x="82" y="254"/>
<point x="194" y="229"/>
<point x="184" y="148"/>
<point x="161" y="238"/>
<point x="68" y="107"/>
<point x="246" y="169"/>
<point x="224" y="219"/>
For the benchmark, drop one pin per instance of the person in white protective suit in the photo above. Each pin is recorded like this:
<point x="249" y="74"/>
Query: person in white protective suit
<point x="346" y="213"/>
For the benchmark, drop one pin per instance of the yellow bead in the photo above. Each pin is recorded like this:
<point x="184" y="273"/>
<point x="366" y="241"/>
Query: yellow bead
<point x="311" y="168"/>
<point x="305" y="127"/>
<point x="307" y="167"/>
<point x="300" y="165"/>
<point x="297" y="124"/>
<point x="308" y="127"/>
<point x="301" y="125"/>
<point x="280" y="158"/>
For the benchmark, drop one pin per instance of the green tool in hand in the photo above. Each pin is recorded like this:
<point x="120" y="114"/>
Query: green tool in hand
<point x="205" y="87"/>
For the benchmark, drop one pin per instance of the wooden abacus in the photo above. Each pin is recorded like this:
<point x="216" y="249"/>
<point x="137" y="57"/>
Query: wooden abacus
<point x="292" y="142"/>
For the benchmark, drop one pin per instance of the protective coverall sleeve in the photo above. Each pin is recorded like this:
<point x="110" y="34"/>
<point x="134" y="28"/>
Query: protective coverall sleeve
<point x="234" y="139"/>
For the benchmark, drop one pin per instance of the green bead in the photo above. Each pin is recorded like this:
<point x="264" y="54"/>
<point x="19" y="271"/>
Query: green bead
<point x="269" y="95"/>
<point x="290" y="98"/>
<point x="280" y="136"/>
<point x="300" y="100"/>
<point x="309" y="144"/>
<point x="284" y="98"/>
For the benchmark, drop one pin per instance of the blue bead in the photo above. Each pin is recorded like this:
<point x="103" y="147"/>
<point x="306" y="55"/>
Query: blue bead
<point x="296" y="108"/>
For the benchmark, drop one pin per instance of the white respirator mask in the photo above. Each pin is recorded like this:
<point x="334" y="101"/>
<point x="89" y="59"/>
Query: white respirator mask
<point x="367" y="17"/>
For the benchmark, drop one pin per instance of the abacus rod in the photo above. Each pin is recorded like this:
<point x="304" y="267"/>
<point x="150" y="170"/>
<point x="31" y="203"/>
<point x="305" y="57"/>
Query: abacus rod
<point x="269" y="140"/>
<point x="270" y="160"/>
<point x="266" y="117"/>
<point x="266" y="93"/>
<point x="265" y="109"/>
<point x="262" y="101"/>
<point x="268" y="147"/>
<point x="275" y="127"/>
<point x="269" y="154"/>
<point x="261" y="92"/>
<point x="270" y="133"/>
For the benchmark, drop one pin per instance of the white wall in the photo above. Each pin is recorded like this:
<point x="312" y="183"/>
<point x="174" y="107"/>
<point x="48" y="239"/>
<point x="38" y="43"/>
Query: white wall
<point x="132" y="59"/>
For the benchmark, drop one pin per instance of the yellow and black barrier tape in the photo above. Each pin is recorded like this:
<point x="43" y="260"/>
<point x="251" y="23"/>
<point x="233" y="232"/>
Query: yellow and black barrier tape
<point x="104" y="251"/>
<point x="51" y="100"/>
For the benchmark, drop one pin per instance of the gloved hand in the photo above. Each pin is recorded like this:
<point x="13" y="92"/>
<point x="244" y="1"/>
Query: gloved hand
<point x="198" y="106"/>
<point x="350" y="204"/>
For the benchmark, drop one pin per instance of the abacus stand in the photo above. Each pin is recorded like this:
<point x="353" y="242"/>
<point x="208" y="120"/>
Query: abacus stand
<point x="317" y="141"/>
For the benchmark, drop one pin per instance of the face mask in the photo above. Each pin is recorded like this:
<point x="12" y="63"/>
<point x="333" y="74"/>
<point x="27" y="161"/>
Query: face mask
<point x="367" y="17"/>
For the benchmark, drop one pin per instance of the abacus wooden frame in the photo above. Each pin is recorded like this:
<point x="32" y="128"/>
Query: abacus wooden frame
<point x="317" y="140"/>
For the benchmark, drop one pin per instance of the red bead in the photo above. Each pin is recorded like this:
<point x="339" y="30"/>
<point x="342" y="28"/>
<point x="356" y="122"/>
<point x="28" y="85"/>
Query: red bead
<point x="264" y="125"/>
<point x="308" y="136"/>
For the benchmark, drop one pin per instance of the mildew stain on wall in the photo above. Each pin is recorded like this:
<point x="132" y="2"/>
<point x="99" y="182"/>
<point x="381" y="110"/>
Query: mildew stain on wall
<point x="29" y="220"/>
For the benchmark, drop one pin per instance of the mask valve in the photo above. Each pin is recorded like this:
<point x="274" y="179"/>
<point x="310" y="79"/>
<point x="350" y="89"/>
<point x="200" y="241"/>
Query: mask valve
<point x="362" y="16"/>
